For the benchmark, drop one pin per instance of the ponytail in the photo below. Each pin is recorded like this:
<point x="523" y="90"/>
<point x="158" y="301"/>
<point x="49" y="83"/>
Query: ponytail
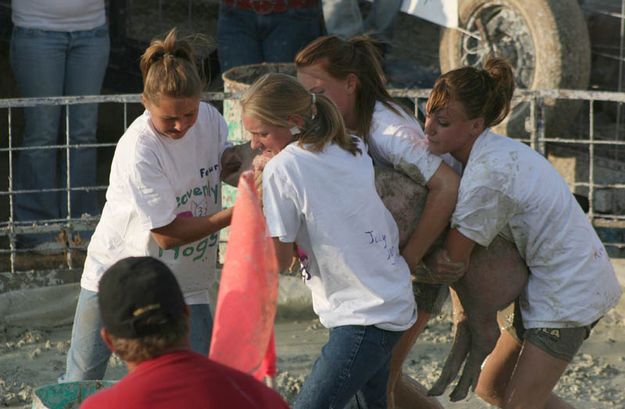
<point x="325" y="127"/>
<point x="485" y="93"/>
<point x="498" y="105"/>
<point x="169" y="68"/>
<point x="275" y="98"/>
<point x="360" y="56"/>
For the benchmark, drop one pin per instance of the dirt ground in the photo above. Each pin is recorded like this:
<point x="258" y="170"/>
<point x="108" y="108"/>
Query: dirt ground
<point x="33" y="348"/>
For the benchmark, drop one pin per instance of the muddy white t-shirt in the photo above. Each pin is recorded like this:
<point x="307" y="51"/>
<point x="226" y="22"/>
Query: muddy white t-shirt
<point x="509" y="189"/>
<point x="326" y="202"/>
<point x="397" y="141"/>
<point x="154" y="179"/>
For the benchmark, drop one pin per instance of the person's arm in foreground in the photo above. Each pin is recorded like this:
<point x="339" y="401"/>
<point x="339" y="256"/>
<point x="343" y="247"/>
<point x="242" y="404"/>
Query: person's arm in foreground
<point x="184" y="230"/>
<point x="439" y="205"/>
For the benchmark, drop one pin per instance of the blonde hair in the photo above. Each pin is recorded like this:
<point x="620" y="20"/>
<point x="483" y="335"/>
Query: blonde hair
<point x="360" y="56"/>
<point x="168" y="67"/>
<point x="274" y="98"/>
<point x="485" y="93"/>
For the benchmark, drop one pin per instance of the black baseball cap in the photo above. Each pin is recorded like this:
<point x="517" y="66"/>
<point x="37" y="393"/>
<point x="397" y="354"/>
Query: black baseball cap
<point x="139" y="296"/>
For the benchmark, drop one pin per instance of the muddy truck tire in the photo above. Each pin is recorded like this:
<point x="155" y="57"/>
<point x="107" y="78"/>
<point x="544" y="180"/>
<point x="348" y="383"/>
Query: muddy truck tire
<point x="495" y="278"/>
<point x="546" y="41"/>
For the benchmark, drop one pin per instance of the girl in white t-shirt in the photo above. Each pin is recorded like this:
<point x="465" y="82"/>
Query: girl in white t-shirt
<point x="349" y="72"/>
<point x="319" y="192"/>
<point x="508" y="189"/>
<point x="163" y="200"/>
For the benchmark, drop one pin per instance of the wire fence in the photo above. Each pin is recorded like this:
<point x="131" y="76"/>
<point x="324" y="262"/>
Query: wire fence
<point x="587" y="157"/>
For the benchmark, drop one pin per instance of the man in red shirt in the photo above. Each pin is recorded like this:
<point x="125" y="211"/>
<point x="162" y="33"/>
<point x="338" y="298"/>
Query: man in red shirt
<point x="145" y="322"/>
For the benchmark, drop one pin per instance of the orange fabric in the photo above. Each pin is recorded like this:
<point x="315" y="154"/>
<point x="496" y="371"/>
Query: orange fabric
<point x="248" y="290"/>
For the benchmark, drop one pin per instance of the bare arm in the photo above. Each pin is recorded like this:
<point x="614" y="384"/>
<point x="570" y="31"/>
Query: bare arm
<point x="459" y="247"/>
<point x="184" y="230"/>
<point x="439" y="205"/>
<point x="284" y="254"/>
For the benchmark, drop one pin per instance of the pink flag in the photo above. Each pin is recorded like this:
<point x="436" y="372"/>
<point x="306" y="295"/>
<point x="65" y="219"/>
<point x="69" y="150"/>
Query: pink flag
<point x="247" y="298"/>
<point x="268" y="367"/>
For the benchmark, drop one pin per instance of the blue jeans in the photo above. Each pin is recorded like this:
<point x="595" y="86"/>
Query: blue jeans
<point x="88" y="355"/>
<point x="354" y="362"/>
<point x="245" y="37"/>
<point x="343" y="18"/>
<point x="54" y="63"/>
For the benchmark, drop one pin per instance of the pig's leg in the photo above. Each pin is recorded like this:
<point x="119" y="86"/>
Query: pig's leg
<point x="459" y="349"/>
<point x="485" y="332"/>
<point x="496" y="277"/>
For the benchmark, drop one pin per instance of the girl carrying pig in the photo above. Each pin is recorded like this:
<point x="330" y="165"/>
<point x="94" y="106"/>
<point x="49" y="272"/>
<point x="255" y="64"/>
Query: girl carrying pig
<point x="508" y="189"/>
<point x="349" y="72"/>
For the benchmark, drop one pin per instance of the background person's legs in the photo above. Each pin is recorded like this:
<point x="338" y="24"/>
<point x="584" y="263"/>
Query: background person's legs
<point x="237" y="38"/>
<point x="88" y="51"/>
<point x="38" y="64"/>
<point x="342" y="17"/>
<point x="380" y="22"/>
<point x="284" y="34"/>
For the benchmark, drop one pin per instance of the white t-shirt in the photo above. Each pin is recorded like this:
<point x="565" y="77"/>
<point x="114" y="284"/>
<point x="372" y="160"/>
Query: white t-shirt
<point x="326" y="202"/>
<point x="509" y="189"/>
<point x="153" y="179"/>
<point x="397" y="141"/>
<point x="58" y="15"/>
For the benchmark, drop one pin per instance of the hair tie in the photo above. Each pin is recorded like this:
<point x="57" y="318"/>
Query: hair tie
<point x="313" y="108"/>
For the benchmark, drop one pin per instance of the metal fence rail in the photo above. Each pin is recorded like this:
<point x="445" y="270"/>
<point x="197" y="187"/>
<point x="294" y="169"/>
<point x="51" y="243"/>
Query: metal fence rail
<point x="596" y="187"/>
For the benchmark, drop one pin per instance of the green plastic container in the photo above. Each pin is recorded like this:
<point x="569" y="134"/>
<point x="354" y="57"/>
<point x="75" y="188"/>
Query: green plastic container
<point x="66" y="395"/>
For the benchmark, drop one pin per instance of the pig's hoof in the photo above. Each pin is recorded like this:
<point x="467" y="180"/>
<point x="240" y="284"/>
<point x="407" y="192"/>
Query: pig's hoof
<point x="458" y="394"/>
<point x="438" y="389"/>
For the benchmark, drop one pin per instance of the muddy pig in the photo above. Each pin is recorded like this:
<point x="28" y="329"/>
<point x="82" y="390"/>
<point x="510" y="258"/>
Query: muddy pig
<point x="495" y="278"/>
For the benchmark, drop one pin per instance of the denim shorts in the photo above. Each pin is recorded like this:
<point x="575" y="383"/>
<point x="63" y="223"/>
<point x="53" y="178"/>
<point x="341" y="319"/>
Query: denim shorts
<point x="561" y="343"/>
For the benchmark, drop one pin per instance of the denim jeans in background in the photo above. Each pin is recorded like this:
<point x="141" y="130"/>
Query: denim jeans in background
<point x="343" y="18"/>
<point x="245" y="37"/>
<point x="54" y="63"/>
<point x="88" y="355"/>
<point x="355" y="361"/>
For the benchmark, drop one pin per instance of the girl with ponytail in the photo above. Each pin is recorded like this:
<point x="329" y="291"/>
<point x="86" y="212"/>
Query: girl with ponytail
<point x="319" y="192"/>
<point x="350" y="73"/>
<point x="509" y="189"/>
<point x="163" y="199"/>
